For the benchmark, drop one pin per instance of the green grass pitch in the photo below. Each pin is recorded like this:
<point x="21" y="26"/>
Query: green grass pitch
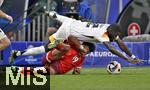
<point x="99" y="79"/>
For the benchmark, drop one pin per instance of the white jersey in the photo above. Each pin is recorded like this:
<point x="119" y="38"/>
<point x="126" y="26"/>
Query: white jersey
<point x="84" y="31"/>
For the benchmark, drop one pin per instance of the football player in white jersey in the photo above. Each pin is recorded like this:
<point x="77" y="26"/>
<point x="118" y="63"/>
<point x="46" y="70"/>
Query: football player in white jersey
<point x="76" y="30"/>
<point x="89" y="32"/>
<point x="4" y="41"/>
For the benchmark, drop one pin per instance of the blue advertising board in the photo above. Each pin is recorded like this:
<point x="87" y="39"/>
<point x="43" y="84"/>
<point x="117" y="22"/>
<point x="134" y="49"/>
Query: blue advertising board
<point x="100" y="58"/>
<point x="23" y="60"/>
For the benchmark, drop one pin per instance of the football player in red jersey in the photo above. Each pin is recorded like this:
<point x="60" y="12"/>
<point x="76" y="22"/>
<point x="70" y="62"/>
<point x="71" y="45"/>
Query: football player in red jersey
<point x="64" y="58"/>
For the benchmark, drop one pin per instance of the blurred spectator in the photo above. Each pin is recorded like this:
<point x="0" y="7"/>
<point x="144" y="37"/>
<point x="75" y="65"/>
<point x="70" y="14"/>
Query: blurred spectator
<point x="70" y="5"/>
<point x="85" y="11"/>
<point x="59" y="5"/>
<point x="52" y="5"/>
<point x="77" y="6"/>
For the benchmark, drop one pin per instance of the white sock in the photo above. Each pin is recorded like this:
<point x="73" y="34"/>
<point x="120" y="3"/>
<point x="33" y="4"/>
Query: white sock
<point x="34" y="51"/>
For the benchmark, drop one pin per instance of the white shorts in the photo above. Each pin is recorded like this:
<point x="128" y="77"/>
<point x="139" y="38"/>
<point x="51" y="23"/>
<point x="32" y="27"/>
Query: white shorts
<point x="2" y="34"/>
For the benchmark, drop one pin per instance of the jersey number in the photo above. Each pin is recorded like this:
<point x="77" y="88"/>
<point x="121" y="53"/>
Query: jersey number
<point x="94" y="25"/>
<point x="75" y="59"/>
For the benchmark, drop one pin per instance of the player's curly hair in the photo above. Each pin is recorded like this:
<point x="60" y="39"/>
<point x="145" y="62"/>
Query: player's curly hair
<point x="90" y="45"/>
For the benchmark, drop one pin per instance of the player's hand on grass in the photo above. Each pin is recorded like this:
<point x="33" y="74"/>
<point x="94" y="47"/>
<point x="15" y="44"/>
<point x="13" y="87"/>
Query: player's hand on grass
<point x="139" y="60"/>
<point x="135" y="60"/>
<point x="77" y="70"/>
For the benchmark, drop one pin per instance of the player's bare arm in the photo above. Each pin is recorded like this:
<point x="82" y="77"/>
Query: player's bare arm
<point x="122" y="46"/>
<point x="116" y="52"/>
<point x="76" y="43"/>
<point x="4" y="15"/>
<point x="58" y="52"/>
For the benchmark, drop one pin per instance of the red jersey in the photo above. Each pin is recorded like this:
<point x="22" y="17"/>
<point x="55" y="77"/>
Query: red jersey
<point x="68" y="61"/>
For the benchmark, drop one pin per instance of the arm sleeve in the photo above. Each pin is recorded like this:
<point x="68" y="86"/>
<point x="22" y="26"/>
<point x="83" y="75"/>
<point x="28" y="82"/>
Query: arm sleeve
<point x="103" y="38"/>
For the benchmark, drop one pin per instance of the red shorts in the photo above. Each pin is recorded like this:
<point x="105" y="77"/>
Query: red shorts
<point x="56" y="66"/>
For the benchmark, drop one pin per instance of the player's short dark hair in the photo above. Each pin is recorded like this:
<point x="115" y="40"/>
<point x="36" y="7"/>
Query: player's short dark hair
<point x="90" y="45"/>
<point x="114" y="31"/>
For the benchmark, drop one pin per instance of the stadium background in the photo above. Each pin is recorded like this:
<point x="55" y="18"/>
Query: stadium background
<point x="30" y="25"/>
